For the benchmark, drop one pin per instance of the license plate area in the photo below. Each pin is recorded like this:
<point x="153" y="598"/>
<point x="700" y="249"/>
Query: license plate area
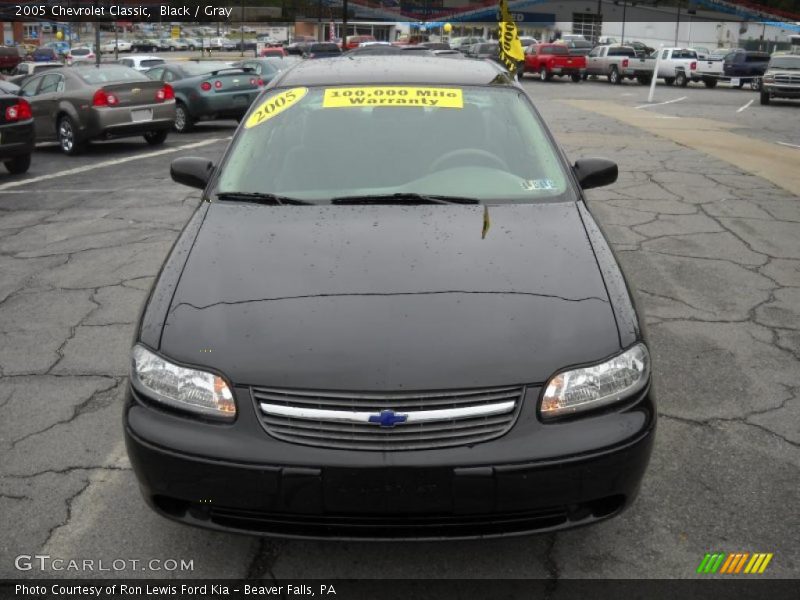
<point x="388" y="491"/>
<point x="241" y="100"/>
<point x="143" y="114"/>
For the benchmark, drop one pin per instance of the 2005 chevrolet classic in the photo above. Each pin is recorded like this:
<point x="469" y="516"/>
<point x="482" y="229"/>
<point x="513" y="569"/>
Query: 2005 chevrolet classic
<point x="391" y="316"/>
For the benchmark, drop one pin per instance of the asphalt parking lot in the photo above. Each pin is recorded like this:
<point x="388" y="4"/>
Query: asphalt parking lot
<point x="705" y="219"/>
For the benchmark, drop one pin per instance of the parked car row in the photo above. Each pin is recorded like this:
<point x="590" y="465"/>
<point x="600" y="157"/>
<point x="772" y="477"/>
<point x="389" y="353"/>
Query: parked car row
<point x="135" y="96"/>
<point x="676" y="66"/>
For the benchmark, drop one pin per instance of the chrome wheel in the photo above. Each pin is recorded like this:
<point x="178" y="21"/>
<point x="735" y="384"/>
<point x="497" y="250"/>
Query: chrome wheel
<point x="66" y="135"/>
<point x="180" y="118"/>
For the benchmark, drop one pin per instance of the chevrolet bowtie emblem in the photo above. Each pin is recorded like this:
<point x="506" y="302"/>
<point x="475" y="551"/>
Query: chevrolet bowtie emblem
<point x="136" y="90"/>
<point x="388" y="418"/>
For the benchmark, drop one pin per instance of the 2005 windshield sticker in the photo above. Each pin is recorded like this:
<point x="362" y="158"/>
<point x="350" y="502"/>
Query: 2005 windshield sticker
<point x="393" y="96"/>
<point x="275" y="105"/>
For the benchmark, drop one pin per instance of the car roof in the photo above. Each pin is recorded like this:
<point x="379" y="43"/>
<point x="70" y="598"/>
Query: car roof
<point x="391" y="69"/>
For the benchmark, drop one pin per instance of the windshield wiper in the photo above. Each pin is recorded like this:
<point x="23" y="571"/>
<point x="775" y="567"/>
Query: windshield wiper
<point x="403" y="198"/>
<point x="259" y="198"/>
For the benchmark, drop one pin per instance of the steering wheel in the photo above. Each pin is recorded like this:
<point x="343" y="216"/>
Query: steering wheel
<point x="461" y="153"/>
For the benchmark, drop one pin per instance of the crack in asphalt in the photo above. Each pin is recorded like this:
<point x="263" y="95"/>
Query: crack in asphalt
<point x="263" y="561"/>
<point x="69" y="500"/>
<point x="87" y="406"/>
<point x="63" y="471"/>
<point x="551" y="566"/>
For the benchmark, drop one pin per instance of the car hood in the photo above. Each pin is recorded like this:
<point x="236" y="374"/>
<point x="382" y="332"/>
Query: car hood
<point x="390" y="297"/>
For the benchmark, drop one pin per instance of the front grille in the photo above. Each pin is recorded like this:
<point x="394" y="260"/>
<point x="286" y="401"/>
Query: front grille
<point x="429" y="419"/>
<point x="788" y="79"/>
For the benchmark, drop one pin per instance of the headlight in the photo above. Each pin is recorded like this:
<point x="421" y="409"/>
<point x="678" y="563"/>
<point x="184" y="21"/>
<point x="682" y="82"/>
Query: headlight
<point x="590" y="387"/>
<point x="769" y="78"/>
<point x="189" y="389"/>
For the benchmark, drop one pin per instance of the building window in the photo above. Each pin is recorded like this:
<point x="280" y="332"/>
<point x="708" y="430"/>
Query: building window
<point x="588" y="25"/>
<point x="30" y="32"/>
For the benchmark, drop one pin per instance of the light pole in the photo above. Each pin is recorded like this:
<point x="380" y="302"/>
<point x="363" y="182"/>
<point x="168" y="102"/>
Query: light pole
<point x="624" y="12"/>
<point x="241" y="33"/>
<point x="96" y="39"/>
<point x="344" y="25"/>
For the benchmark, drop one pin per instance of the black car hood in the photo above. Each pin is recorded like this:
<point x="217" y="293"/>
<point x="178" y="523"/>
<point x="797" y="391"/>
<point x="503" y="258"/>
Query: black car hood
<point x="390" y="297"/>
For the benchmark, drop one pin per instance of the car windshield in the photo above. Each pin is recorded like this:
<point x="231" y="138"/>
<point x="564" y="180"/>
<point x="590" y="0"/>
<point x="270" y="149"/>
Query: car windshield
<point x="315" y="144"/>
<point x="80" y="51"/>
<point x="785" y="62"/>
<point x="152" y="62"/>
<point x="110" y="74"/>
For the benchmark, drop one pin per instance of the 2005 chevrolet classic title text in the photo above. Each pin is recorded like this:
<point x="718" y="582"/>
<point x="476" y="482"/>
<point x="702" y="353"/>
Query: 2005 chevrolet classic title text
<point x="119" y="10"/>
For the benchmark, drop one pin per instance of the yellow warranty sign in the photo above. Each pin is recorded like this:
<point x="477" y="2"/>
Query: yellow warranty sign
<point x="393" y="96"/>
<point x="275" y="105"/>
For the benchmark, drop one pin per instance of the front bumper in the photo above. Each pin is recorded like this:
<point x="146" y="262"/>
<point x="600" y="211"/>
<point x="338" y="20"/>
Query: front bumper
<point x="235" y="477"/>
<point x="781" y="91"/>
<point x="16" y="139"/>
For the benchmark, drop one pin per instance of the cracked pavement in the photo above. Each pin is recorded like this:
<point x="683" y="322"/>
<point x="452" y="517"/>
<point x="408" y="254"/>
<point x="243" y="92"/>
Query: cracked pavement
<point x="711" y="250"/>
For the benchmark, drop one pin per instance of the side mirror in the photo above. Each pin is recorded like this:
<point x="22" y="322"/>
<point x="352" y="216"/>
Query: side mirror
<point x="192" y="171"/>
<point x="595" y="172"/>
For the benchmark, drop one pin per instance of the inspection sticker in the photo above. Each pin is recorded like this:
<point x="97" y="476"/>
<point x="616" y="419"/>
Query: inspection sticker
<point x="538" y="184"/>
<point x="393" y="96"/>
<point x="275" y="105"/>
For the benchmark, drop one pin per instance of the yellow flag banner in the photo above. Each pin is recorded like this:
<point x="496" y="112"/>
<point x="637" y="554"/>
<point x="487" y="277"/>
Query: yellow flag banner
<point x="511" y="52"/>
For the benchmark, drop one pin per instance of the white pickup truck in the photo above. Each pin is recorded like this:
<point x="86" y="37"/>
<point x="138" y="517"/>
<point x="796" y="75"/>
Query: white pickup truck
<point x="676" y="66"/>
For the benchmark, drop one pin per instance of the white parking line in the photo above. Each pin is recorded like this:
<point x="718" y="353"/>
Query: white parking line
<point x="790" y="145"/>
<point x="660" y="103"/>
<point x="745" y="106"/>
<point x="107" y="163"/>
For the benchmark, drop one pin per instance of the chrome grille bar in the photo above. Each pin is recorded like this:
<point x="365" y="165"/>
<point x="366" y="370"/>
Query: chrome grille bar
<point x="417" y="416"/>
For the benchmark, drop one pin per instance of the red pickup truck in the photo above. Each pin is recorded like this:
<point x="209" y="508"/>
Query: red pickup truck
<point x="553" y="59"/>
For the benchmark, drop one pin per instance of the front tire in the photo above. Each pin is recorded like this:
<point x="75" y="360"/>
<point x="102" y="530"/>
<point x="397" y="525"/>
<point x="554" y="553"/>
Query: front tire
<point x="68" y="137"/>
<point x="765" y="98"/>
<point x="156" y="138"/>
<point x="18" y="164"/>
<point x="183" y="120"/>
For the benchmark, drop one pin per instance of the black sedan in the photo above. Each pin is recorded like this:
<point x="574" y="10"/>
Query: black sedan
<point x="321" y="50"/>
<point x="208" y="90"/>
<point x="16" y="133"/>
<point x="436" y="344"/>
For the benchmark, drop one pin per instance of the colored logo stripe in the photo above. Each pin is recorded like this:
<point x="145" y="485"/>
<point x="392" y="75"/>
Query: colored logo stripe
<point x="731" y="564"/>
<point x="711" y="563"/>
